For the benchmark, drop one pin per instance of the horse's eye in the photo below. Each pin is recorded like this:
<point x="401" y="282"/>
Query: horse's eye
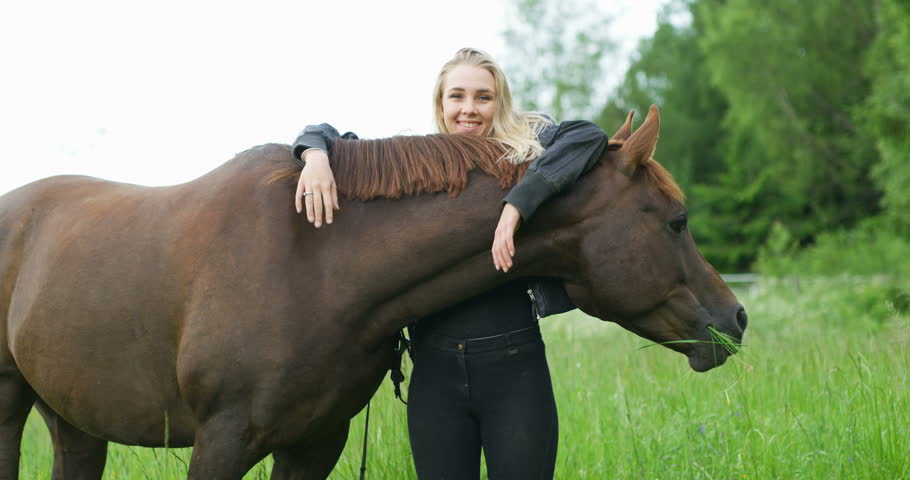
<point x="679" y="223"/>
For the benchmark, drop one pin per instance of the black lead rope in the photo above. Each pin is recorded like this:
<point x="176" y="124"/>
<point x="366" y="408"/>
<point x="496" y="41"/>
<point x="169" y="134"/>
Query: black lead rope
<point x="366" y="428"/>
<point x="402" y="344"/>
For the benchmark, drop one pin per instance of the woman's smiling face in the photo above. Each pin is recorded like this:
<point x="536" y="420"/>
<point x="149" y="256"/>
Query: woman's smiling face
<point x="469" y="101"/>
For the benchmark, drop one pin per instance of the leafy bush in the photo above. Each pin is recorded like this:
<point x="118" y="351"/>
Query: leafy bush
<point x="873" y="247"/>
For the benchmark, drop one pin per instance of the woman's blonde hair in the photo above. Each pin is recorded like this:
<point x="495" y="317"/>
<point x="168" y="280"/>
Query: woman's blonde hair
<point x="516" y="130"/>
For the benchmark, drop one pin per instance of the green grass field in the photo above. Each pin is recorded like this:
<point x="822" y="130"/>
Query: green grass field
<point x="820" y="392"/>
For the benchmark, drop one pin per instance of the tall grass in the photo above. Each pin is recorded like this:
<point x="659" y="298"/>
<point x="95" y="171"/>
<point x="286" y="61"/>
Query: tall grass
<point x="821" y="391"/>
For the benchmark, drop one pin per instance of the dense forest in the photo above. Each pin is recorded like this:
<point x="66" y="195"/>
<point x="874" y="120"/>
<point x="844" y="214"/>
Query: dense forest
<point x="786" y="123"/>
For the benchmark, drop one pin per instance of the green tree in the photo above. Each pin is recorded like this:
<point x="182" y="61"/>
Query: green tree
<point x="792" y="150"/>
<point x="887" y="111"/>
<point x="555" y="56"/>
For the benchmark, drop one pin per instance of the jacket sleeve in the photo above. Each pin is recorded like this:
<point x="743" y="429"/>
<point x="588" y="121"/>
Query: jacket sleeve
<point x="549" y="296"/>
<point x="320" y="136"/>
<point x="571" y="149"/>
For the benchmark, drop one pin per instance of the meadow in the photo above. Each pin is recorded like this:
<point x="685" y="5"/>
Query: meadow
<point x="820" y="391"/>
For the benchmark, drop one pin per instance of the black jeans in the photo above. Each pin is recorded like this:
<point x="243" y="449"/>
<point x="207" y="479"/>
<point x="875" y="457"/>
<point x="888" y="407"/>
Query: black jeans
<point x="493" y="393"/>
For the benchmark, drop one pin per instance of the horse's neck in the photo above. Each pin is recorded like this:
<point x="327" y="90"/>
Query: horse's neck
<point x="434" y="252"/>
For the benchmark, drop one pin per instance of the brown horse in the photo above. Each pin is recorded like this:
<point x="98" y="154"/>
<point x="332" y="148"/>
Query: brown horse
<point x="211" y="314"/>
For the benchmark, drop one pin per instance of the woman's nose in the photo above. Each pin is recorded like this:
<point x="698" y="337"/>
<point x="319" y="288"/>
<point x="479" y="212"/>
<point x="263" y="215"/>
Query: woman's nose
<point x="468" y="107"/>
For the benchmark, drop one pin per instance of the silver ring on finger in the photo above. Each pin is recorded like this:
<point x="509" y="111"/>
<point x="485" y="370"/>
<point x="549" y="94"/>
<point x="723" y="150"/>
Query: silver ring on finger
<point x="307" y="193"/>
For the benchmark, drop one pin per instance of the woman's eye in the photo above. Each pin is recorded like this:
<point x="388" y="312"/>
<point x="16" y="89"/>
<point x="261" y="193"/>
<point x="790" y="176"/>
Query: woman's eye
<point x="486" y="98"/>
<point x="455" y="95"/>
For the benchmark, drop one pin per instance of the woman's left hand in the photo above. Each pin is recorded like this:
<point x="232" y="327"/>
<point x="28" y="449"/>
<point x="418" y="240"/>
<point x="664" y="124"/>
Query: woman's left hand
<point x="503" y="243"/>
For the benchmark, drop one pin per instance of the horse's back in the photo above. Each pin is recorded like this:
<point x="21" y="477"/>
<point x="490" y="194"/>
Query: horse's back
<point x="25" y="215"/>
<point x="98" y="279"/>
<point x="76" y="226"/>
<point x="40" y="222"/>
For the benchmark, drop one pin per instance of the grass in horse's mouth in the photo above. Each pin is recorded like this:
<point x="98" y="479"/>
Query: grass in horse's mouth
<point x="720" y="338"/>
<point x="717" y="338"/>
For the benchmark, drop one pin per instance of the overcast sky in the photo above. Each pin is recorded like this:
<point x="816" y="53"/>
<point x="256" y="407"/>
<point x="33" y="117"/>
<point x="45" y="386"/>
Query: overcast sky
<point x="161" y="92"/>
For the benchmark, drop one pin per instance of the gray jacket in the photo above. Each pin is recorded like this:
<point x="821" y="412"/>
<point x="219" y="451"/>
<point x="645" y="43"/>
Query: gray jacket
<point x="571" y="149"/>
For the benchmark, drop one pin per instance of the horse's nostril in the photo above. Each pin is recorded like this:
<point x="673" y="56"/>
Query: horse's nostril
<point x="742" y="319"/>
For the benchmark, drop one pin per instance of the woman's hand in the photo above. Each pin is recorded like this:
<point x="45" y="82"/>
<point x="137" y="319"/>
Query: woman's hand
<point x="503" y="243"/>
<point x="317" y="178"/>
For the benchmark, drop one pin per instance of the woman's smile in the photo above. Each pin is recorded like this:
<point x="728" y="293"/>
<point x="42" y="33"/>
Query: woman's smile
<point x="467" y="126"/>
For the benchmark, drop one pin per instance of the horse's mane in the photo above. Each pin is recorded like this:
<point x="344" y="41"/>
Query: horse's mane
<point x="658" y="176"/>
<point x="409" y="165"/>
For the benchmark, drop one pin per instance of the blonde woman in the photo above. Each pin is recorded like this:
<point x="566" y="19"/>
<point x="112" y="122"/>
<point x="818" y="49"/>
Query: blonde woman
<point x="481" y="380"/>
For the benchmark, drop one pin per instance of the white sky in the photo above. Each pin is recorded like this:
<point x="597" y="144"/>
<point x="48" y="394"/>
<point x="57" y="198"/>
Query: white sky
<point x="161" y="92"/>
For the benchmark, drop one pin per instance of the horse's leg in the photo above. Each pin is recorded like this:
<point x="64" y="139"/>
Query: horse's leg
<point x="77" y="455"/>
<point x="223" y="450"/>
<point x="16" y="399"/>
<point x="312" y="462"/>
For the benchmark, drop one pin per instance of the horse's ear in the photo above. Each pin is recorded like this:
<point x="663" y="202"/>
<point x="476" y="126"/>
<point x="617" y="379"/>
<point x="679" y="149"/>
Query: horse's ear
<point x="626" y="130"/>
<point x="639" y="147"/>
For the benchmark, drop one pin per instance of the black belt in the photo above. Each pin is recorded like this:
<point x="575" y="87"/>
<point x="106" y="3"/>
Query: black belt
<point x="478" y="344"/>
